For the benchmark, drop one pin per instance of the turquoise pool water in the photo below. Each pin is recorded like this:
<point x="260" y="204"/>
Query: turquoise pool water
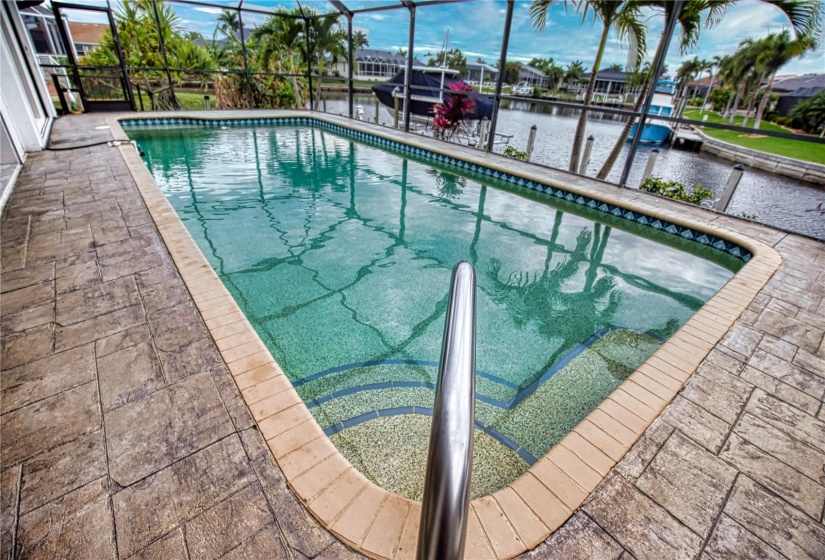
<point x="340" y="255"/>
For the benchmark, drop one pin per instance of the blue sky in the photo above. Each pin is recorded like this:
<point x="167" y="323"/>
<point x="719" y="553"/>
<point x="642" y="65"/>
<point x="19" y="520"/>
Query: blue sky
<point x="476" y="28"/>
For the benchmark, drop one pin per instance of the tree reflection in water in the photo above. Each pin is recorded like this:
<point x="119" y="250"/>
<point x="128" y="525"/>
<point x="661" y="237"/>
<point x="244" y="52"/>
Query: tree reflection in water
<point x="547" y="300"/>
<point x="448" y="184"/>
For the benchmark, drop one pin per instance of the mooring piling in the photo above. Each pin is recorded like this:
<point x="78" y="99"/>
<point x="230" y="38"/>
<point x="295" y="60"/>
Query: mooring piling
<point x="483" y="126"/>
<point x="733" y="182"/>
<point x="531" y="140"/>
<point x="588" y="147"/>
<point x="651" y="161"/>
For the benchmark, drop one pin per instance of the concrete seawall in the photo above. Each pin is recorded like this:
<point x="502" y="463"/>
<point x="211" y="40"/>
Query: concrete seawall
<point x="789" y="167"/>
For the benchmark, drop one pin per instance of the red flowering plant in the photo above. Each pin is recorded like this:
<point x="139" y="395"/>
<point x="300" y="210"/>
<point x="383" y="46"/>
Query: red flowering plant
<point x="449" y="115"/>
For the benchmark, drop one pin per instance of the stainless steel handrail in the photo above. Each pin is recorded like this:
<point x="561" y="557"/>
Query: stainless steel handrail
<point x="445" y="509"/>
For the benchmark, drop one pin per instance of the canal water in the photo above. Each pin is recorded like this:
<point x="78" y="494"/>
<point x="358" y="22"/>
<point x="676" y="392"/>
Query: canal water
<point x="771" y="199"/>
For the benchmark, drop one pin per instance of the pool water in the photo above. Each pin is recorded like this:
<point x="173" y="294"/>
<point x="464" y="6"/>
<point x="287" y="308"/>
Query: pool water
<point x="340" y="254"/>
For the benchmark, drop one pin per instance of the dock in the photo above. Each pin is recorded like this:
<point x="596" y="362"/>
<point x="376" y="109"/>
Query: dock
<point x="686" y="139"/>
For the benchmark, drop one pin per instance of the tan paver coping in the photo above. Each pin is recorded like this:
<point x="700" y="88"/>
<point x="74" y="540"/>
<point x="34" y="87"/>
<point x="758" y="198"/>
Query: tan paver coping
<point x="517" y="518"/>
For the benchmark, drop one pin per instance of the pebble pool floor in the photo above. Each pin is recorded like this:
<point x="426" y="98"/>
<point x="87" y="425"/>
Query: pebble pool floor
<point x="340" y="255"/>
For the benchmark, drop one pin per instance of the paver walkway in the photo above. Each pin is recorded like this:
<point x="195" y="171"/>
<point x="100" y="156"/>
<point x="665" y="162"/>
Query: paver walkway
<point x="734" y="468"/>
<point x="122" y="431"/>
<point x="124" y="435"/>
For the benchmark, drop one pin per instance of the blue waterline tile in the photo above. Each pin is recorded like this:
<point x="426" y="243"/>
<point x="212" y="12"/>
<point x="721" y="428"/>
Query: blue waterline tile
<point x="623" y="213"/>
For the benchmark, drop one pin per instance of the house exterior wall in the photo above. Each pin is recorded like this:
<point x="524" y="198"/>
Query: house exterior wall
<point x="24" y="102"/>
<point x="535" y="80"/>
<point x="474" y="74"/>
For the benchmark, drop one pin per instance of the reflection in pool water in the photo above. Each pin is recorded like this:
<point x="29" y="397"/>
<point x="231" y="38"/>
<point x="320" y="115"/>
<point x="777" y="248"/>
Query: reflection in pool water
<point x="340" y="255"/>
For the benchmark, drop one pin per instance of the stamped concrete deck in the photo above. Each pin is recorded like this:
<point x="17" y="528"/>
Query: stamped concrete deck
<point x="124" y="433"/>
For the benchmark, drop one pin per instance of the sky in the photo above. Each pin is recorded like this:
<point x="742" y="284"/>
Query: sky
<point x="477" y="27"/>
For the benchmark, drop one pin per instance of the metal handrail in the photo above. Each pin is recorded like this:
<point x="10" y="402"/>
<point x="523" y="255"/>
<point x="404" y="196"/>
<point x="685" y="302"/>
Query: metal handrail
<point x="446" y="504"/>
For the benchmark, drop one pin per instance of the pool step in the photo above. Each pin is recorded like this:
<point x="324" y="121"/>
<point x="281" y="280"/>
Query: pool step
<point x="392" y="450"/>
<point x="528" y="423"/>
<point x="345" y="380"/>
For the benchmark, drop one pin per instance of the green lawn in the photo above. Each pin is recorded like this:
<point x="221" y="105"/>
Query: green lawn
<point x="806" y="151"/>
<point x="328" y="80"/>
<point x="190" y="101"/>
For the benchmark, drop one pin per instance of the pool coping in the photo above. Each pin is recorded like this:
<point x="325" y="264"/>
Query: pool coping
<point x="517" y="518"/>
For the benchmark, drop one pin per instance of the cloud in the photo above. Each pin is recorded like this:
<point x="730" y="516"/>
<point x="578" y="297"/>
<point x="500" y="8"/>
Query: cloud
<point x="427" y="48"/>
<point x="477" y="27"/>
<point x="213" y="11"/>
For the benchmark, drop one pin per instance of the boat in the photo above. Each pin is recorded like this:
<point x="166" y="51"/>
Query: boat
<point x="658" y="131"/>
<point x="426" y="83"/>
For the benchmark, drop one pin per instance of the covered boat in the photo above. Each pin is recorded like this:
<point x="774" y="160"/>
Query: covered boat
<point x="425" y="82"/>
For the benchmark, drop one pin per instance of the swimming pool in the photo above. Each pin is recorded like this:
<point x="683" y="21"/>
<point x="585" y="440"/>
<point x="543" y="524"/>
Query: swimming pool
<point x="339" y="252"/>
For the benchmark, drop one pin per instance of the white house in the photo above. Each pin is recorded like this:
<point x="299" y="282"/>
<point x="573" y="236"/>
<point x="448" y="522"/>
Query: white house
<point x="533" y="76"/>
<point x="374" y="64"/>
<point x="476" y="72"/>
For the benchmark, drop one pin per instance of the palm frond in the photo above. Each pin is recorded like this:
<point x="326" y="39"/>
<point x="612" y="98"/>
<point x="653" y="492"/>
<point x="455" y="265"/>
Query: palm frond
<point x="540" y="11"/>
<point x="804" y="15"/>
<point x="629" y="26"/>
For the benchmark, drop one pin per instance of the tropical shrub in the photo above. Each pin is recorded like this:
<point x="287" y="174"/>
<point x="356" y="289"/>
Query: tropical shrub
<point x="810" y="113"/>
<point x="515" y="153"/>
<point x="450" y="114"/>
<point x="140" y="42"/>
<point x="718" y="98"/>
<point x="676" y="190"/>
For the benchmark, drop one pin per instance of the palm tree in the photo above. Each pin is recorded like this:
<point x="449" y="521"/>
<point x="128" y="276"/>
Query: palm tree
<point x="687" y="72"/>
<point x="555" y="74"/>
<point x="690" y="19"/>
<point x="326" y="37"/>
<point x="726" y="79"/>
<point x="803" y="15"/>
<point x="738" y="68"/>
<point x="281" y="37"/>
<point x="752" y="75"/>
<point x="574" y="71"/>
<point x="778" y="50"/>
<point x="621" y="15"/>
<point x="229" y="23"/>
<point x="140" y="42"/>
<point x="401" y="51"/>
<point x="553" y="71"/>
<point x="616" y="66"/>
<point x="712" y="68"/>
<point x="511" y="71"/>
<point x="359" y="40"/>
